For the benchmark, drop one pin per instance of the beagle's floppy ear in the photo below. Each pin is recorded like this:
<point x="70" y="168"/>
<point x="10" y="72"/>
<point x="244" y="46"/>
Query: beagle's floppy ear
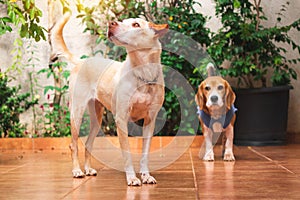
<point x="230" y="96"/>
<point x="200" y="98"/>
<point x="159" y="29"/>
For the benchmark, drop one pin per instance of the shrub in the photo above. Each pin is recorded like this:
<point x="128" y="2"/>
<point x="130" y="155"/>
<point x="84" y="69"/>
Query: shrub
<point x="183" y="52"/>
<point x="12" y="104"/>
<point x="254" y="50"/>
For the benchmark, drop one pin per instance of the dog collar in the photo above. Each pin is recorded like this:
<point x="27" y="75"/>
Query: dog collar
<point x="148" y="82"/>
<point x="224" y="119"/>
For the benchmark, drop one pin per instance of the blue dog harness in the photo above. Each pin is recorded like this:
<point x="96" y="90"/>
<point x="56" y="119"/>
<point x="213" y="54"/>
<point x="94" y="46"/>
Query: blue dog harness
<point x="224" y="119"/>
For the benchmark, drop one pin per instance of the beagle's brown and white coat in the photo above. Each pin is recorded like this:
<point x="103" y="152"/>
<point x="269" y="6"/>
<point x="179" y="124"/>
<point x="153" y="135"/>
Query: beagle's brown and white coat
<point x="216" y="111"/>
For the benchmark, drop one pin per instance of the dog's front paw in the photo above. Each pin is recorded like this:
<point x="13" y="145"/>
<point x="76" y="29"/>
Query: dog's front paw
<point x="209" y="156"/>
<point x="90" y="172"/>
<point x="77" y="173"/>
<point x="229" y="157"/>
<point x="132" y="180"/>
<point x="147" y="178"/>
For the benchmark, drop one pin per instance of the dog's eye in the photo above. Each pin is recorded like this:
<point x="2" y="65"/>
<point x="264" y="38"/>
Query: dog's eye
<point x="207" y="88"/>
<point x="220" y="87"/>
<point x="136" y="25"/>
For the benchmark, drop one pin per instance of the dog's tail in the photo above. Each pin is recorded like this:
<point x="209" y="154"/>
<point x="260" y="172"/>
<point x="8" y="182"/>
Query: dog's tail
<point x="59" y="47"/>
<point x="211" y="71"/>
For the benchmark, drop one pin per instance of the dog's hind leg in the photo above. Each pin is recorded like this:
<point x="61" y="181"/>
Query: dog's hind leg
<point x="148" y="129"/>
<point x="79" y="98"/>
<point x="76" y="117"/>
<point x="96" y="111"/>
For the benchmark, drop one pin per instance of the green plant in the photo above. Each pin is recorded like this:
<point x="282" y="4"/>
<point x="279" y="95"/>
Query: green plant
<point x="24" y="17"/>
<point x="253" y="49"/>
<point x="183" y="54"/>
<point x="32" y="62"/>
<point x="55" y="121"/>
<point x="55" y="112"/>
<point x="12" y="104"/>
<point x="27" y="15"/>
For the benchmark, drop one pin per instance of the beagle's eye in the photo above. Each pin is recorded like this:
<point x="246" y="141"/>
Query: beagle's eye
<point x="207" y="88"/>
<point x="220" y="87"/>
<point x="136" y="25"/>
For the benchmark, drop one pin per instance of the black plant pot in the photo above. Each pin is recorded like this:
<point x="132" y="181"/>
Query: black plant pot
<point x="261" y="116"/>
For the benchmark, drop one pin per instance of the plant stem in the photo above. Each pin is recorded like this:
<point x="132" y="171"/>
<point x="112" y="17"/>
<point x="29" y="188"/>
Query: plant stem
<point x="256" y="56"/>
<point x="32" y="99"/>
<point x="57" y="84"/>
<point x="257" y="5"/>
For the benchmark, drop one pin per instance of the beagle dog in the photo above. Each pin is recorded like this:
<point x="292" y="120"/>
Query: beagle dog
<point x="216" y="113"/>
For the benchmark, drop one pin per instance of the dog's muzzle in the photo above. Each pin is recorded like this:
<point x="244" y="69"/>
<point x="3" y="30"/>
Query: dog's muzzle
<point x="111" y="27"/>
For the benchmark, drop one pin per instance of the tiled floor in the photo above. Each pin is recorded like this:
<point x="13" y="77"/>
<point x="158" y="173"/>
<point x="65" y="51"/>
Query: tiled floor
<point x="258" y="173"/>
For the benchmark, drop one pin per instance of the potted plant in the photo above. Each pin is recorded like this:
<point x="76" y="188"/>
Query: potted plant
<point x="256" y="54"/>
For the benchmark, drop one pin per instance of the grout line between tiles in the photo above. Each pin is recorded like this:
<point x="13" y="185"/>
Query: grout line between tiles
<point x="14" y="168"/>
<point x="270" y="160"/>
<point x="76" y="187"/>
<point x="80" y="184"/>
<point x="194" y="175"/>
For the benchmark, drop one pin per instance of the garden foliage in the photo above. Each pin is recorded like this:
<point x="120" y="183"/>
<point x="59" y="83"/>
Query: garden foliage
<point x="12" y="104"/>
<point x="238" y="41"/>
<point x="254" y="50"/>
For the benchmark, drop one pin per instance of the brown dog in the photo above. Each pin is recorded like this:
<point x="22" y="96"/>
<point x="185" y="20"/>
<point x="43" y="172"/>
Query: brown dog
<point x="216" y="111"/>
<point x="132" y="90"/>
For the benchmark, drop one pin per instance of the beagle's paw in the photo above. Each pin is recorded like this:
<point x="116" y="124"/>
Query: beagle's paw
<point x="209" y="156"/>
<point x="90" y="172"/>
<point x="132" y="180"/>
<point x="229" y="157"/>
<point x="147" y="178"/>
<point x="77" y="173"/>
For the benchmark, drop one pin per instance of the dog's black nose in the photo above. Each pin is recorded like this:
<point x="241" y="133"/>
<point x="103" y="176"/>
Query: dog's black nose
<point x="214" y="98"/>
<point x="112" y="24"/>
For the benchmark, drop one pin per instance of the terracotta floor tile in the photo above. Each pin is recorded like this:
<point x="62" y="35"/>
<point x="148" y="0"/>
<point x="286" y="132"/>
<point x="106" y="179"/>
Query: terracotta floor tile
<point x="258" y="173"/>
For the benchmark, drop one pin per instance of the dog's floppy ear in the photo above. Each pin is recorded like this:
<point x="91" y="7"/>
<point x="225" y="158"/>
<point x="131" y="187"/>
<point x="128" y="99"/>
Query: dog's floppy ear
<point x="230" y="96"/>
<point x="159" y="29"/>
<point x="200" y="99"/>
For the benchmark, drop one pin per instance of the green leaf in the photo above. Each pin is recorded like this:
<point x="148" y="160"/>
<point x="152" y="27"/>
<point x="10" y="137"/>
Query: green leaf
<point x="32" y="14"/>
<point x="24" y="30"/>
<point x="84" y="57"/>
<point x="66" y="74"/>
<point x="43" y="71"/>
<point x="293" y="73"/>
<point x="191" y="130"/>
<point x="47" y="88"/>
<point x="6" y="19"/>
<point x="236" y="4"/>
<point x="27" y="4"/>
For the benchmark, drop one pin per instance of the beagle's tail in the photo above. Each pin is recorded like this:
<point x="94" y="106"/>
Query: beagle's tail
<point x="59" y="47"/>
<point x="211" y="71"/>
